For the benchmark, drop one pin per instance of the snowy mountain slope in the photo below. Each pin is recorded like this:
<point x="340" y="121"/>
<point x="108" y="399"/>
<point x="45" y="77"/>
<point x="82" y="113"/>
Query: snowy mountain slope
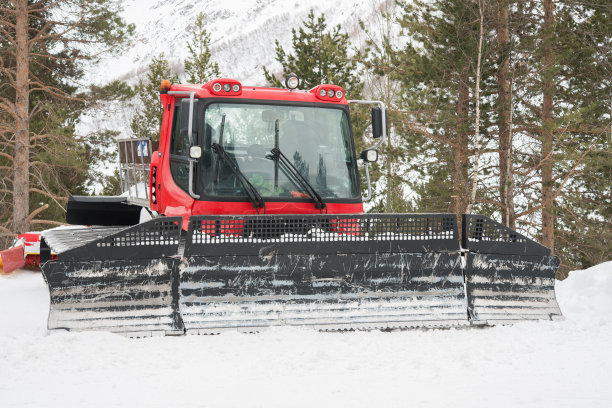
<point x="546" y="364"/>
<point x="242" y="32"/>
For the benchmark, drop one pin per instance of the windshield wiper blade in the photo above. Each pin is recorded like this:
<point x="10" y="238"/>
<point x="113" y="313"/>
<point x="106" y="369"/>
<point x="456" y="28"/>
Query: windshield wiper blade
<point x="295" y="176"/>
<point x="256" y="198"/>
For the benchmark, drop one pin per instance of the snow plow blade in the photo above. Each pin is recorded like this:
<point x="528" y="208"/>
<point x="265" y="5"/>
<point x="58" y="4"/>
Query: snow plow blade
<point x="329" y="272"/>
<point x="509" y="277"/>
<point x="114" y="279"/>
<point x="332" y="272"/>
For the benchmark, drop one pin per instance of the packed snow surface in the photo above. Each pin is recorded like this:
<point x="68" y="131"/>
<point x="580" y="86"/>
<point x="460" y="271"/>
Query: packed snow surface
<point x="545" y="364"/>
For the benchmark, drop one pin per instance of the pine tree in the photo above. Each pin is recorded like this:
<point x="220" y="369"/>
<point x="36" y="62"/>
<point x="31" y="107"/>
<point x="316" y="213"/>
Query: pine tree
<point x="379" y="48"/>
<point x="321" y="56"/>
<point x="545" y="107"/>
<point x="149" y="111"/>
<point x="504" y="113"/>
<point x="107" y="105"/>
<point x="199" y="67"/>
<point x="41" y="62"/>
<point x="437" y="69"/>
<point x="583" y="158"/>
<point x="318" y="56"/>
<point x="562" y="181"/>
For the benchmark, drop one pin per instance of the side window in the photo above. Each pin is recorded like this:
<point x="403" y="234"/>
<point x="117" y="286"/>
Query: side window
<point x="179" y="147"/>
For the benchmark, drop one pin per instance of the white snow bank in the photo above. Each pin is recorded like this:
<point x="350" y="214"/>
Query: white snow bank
<point x="24" y="305"/>
<point x="586" y="296"/>
<point x="545" y="364"/>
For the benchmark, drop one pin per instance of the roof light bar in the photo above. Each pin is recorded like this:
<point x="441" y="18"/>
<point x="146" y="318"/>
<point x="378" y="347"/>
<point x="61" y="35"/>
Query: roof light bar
<point x="224" y="87"/>
<point x="331" y="93"/>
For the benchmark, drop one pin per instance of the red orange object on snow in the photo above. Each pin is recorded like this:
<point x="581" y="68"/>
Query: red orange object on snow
<point x="11" y="259"/>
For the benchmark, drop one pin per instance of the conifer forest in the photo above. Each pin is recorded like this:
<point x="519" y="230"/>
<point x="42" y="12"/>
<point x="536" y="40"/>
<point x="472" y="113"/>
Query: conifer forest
<point x="496" y="107"/>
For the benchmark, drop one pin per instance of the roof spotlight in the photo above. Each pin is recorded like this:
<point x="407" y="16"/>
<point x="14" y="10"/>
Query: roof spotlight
<point x="330" y="93"/>
<point x="322" y="92"/>
<point x="227" y="87"/>
<point x="236" y="88"/>
<point x="339" y="94"/>
<point x="217" y="87"/>
<point x="292" y="81"/>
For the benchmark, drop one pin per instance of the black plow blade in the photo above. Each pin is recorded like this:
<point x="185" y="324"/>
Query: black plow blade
<point x="328" y="272"/>
<point x="509" y="277"/>
<point x="113" y="279"/>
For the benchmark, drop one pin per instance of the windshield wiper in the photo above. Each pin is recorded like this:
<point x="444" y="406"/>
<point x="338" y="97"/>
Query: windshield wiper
<point x="293" y="174"/>
<point x="256" y="199"/>
<point x="296" y="177"/>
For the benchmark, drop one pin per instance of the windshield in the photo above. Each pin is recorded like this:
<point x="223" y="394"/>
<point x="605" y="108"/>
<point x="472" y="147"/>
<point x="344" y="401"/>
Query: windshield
<point x="315" y="140"/>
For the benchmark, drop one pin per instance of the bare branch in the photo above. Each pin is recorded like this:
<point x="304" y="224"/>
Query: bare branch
<point x="36" y="212"/>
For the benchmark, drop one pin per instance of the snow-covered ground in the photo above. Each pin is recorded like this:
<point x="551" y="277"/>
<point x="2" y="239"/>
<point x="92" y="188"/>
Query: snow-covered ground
<point x="546" y="364"/>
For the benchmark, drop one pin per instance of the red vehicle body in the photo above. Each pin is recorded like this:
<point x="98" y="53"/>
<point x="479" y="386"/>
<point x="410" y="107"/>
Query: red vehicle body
<point x="25" y="253"/>
<point x="266" y="184"/>
<point x="167" y="198"/>
<point x="172" y="200"/>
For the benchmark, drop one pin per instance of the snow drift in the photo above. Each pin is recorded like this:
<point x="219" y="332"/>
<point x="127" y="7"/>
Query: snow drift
<point x="560" y="364"/>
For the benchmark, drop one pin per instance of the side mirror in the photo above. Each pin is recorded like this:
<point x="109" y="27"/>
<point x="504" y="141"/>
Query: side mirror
<point x="369" y="156"/>
<point x="195" y="152"/>
<point x="185" y="108"/>
<point x="377" y="122"/>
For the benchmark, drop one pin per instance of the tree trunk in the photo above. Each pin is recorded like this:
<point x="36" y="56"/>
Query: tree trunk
<point x="461" y="159"/>
<point x="504" y="122"/>
<point x="21" y="163"/>
<point x="472" y="196"/>
<point x="548" y="222"/>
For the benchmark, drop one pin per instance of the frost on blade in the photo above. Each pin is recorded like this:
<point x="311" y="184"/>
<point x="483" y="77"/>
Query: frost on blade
<point x="508" y="288"/>
<point x="126" y="296"/>
<point x="323" y="291"/>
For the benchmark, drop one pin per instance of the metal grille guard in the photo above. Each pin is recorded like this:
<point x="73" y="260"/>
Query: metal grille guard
<point x="327" y="271"/>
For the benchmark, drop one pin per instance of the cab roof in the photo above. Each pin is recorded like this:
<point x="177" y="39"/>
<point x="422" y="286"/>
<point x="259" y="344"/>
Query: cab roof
<point x="232" y="89"/>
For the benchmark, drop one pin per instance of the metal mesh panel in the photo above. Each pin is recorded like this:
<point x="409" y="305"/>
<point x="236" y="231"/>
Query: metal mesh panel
<point x="281" y="228"/>
<point x="152" y="239"/>
<point x="157" y="232"/>
<point x="484" y="229"/>
<point x="65" y="239"/>
<point x="482" y="234"/>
